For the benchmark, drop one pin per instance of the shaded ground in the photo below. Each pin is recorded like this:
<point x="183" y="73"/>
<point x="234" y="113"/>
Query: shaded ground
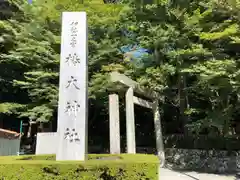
<point x="167" y="174"/>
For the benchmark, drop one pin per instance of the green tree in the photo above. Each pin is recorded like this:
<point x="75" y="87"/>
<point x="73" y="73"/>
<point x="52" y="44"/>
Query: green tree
<point x="193" y="60"/>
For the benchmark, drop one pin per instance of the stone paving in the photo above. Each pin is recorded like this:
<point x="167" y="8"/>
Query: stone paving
<point x="167" y="174"/>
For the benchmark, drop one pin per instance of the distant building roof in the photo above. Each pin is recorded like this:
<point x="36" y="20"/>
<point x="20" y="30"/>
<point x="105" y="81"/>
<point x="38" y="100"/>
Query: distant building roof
<point x="7" y="134"/>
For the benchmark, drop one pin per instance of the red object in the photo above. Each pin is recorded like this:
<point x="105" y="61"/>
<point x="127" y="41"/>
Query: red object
<point x="7" y="134"/>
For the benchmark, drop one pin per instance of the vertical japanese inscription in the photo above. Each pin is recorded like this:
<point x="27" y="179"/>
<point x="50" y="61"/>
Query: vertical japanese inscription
<point x="72" y="59"/>
<point x="71" y="135"/>
<point x="73" y="82"/>
<point x="74" y="32"/>
<point x="72" y="109"/>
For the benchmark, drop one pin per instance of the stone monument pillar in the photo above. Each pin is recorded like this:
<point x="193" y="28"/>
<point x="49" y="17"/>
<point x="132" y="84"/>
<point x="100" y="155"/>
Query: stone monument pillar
<point x="73" y="98"/>
<point x="114" y="126"/>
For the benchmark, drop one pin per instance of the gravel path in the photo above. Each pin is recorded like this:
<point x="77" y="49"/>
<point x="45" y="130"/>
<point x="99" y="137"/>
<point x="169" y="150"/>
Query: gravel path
<point x="167" y="174"/>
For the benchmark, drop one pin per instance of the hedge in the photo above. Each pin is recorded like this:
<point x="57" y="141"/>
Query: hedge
<point x="98" y="167"/>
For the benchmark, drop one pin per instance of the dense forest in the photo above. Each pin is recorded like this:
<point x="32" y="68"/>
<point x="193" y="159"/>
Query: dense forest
<point x="187" y="50"/>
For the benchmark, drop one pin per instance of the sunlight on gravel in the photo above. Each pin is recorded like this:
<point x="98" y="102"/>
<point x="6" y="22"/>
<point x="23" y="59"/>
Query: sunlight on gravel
<point x="167" y="174"/>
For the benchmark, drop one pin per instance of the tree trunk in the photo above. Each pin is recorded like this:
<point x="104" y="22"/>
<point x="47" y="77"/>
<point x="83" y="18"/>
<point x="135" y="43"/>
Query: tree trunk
<point x="29" y="130"/>
<point x="182" y="102"/>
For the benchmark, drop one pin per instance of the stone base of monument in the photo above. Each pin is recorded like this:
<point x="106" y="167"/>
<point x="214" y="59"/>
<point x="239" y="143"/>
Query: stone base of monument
<point x="46" y="143"/>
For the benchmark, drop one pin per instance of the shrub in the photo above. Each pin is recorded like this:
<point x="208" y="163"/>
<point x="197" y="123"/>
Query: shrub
<point x="105" y="167"/>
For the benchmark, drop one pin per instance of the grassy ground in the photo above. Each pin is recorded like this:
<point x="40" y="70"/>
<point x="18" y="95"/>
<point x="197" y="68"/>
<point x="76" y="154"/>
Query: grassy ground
<point x="106" y="167"/>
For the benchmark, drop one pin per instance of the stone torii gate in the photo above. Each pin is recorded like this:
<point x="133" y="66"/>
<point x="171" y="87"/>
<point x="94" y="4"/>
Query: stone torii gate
<point x="133" y="87"/>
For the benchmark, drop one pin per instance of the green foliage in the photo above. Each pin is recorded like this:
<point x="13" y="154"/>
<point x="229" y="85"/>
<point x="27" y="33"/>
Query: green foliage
<point x="195" y="56"/>
<point x="36" y="52"/>
<point x="45" y="167"/>
<point x="194" y="60"/>
<point x="9" y="108"/>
